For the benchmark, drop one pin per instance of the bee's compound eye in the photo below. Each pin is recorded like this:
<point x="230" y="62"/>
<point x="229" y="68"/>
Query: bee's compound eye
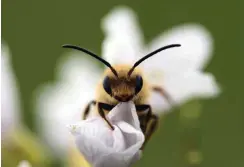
<point x="106" y="85"/>
<point x="139" y="84"/>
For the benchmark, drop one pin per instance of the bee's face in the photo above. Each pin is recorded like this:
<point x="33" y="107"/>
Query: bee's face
<point x="123" y="88"/>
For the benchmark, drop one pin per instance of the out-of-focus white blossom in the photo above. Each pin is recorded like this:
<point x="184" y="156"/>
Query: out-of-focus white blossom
<point x="178" y="70"/>
<point x="24" y="163"/>
<point x="14" y="133"/>
<point x="10" y="105"/>
<point x="102" y="146"/>
<point x="64" y="100"/>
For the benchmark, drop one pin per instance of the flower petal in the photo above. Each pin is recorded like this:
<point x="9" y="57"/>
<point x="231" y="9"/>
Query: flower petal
<point x="123" y="39"/>
<point x="93" y="138"/>
<point x="194" y="53"/>
<point x="10" y="104"/>
<point x="186" y="87"/>
<point x="64" y="101"/>
<point x="122" y="114"/>
<point x="103" y="147"/>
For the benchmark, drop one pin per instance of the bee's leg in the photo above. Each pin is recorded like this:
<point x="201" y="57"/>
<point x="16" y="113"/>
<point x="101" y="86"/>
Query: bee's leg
<point x="151" y="127"/>
<point x="87" y="109"/>
<point x="164" y="93"/>
<point x="102" y="106"/>
<point x="148" y="122"/>
<point x="144" y="113"/>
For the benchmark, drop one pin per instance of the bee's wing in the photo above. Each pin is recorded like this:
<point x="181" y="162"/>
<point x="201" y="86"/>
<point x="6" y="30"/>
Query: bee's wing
<point x="178" y="70"/>
<point x="63" y="101"/>
<point x="123" y="39"/>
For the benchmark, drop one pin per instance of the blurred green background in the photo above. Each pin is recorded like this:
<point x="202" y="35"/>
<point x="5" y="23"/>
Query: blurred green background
<point x="35" y="30"/>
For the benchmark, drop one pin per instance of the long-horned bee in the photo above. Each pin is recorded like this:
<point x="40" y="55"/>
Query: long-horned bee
<point x="122" y="83"/>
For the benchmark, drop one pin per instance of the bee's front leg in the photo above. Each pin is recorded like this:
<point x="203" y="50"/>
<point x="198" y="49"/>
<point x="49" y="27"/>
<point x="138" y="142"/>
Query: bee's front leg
<point x="144" y="113"/>
<point x="148" y="121"/>
<point x="88" y="109"/>
<point x="150" y="129"/>
<point x="101" y="107"/>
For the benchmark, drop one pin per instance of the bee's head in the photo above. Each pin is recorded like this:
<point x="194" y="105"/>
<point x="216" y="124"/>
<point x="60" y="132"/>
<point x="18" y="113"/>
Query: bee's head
<point x="122" y="82"/>
<point x="123" y="87"/>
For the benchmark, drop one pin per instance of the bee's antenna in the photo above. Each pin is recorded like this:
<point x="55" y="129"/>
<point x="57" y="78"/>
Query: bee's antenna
<point x="151" y="54"/>
<point x="93" y="55"/>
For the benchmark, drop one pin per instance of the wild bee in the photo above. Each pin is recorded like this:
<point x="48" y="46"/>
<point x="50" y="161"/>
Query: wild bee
<point x="122" y="83"/>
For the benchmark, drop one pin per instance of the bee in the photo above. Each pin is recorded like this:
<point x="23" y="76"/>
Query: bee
<point x="123" y="83"/>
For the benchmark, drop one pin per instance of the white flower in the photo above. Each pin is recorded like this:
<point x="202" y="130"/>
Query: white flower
<point x="63" y="101"/>
<point x="178" y="70"/>
<point x="10" y="105"/>
<point x="24" y="163"/>
<point x="103" y="147"/>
